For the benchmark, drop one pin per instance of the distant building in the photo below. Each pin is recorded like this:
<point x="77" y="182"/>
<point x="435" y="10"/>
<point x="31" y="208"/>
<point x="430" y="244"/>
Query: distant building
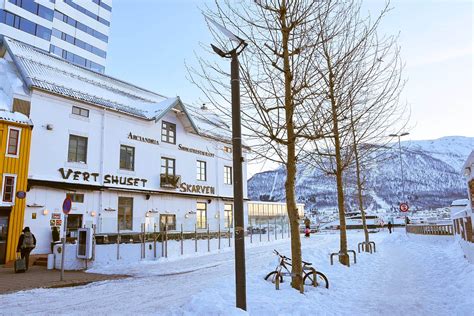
<point x="264" y="213"/>
<point x="77" y="31"/>
<point x="462" y="212"/>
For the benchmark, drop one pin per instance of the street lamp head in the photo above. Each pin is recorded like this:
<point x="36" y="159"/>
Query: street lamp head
<point x="218" y="51"/>
<point x="405" y="134"/>
<point x="231" y="36"/>
<point x="393" y="135"/>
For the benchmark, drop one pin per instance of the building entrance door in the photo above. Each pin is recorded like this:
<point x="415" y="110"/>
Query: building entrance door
<point x="4" y="218"/>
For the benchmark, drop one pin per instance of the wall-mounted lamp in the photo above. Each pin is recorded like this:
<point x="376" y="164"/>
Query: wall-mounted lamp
<point x="217" y="215"/>
<point x="147" y="214"/>
<point x="93" y="214"/>
<point x="186" y="215"/>
<point x="45" y="212"/>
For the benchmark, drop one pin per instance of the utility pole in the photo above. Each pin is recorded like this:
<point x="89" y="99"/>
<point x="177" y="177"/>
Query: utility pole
<point x="403" y="198"/>
<point x="239" y="231"/>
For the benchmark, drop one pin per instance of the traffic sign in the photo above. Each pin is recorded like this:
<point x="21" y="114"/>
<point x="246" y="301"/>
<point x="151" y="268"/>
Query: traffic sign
<point x="67" y="204"/>
<point x="404" y="207"/>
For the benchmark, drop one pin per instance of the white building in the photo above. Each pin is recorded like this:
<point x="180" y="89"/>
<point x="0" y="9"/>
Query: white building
<point x="126" y="156"/>
<point x="77" y="31"/>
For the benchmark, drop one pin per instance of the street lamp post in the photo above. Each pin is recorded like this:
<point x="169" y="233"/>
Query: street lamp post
<point x="403" y="199"/>
<point x="239" y="240"/>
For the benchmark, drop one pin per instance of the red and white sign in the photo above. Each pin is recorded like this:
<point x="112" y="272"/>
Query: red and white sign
<point x="67" y="205"/>
<point x="404" y="207"/>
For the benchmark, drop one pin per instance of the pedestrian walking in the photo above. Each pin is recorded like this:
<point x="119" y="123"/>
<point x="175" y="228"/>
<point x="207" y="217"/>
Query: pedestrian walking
<point x="26" y="243"/>
<point x="307" y="232"/>
<point x="389" y="226"/>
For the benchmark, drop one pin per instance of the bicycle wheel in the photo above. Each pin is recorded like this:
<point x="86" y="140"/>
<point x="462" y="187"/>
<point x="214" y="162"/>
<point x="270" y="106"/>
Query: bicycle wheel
<point x="321" y="279"/>
<point x="272" y="277"/>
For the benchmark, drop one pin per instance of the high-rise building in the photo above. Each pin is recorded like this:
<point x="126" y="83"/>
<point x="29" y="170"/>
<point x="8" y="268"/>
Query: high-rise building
<point x="76" y="30"/>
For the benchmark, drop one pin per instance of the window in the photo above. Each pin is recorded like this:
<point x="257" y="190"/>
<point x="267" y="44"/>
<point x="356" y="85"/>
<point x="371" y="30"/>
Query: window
<point x="228" y="216"/>
<point x="168" y="132"/>
<point x="201" y="215"/>
<point x="80" y="111"/>
<point x="168" y="166"/>
<point x="127" y="157"/>
<point x="201" y="170"/>
<point x="227" y="149"/>
<point x="169" y="220"/>
<point x="77" y="149"/>
<point x="8" y="188"/>
<point x="76" y="197"/>
<point x="227" y="175"/>
<point x="125" y="213"/>
<point x="13" y="142"/>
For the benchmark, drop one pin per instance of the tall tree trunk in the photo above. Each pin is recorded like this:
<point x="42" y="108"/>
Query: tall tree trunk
<point x="359" y="195"/>
<point x="296" y="268"/>
<point x="343" y="256"/>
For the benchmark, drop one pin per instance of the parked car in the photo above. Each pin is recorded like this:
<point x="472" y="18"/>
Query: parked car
<point x="256" y="230"/>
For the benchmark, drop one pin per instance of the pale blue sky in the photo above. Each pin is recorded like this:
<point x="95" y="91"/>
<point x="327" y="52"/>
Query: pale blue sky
<point x="151" y="40"/>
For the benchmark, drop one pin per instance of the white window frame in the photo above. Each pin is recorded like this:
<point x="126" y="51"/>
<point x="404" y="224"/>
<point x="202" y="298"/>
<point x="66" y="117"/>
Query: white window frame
<point x="14" y="176"/>
<point x="231" y="175"/>
<point x="198" y="170"/>
<point x="8" y="142"/>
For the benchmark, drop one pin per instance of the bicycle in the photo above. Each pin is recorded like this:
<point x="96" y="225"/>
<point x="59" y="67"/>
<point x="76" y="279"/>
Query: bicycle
<point x="310" y="277"/>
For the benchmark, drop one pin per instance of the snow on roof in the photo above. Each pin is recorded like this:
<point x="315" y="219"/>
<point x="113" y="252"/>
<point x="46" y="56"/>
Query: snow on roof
<point x="15" y="117"/>
<point x="44" y="71"/>
<point x="461" y="202"/>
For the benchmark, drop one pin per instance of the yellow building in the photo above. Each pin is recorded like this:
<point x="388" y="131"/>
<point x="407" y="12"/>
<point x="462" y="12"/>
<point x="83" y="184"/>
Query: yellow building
<point x="15" y="138"/>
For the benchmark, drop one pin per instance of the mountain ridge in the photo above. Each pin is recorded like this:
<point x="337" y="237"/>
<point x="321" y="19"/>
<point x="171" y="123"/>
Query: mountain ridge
<point x="432" y="174"/>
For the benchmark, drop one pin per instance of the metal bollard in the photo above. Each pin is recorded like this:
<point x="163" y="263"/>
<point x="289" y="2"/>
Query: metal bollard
<point x="181" y="237"/>
<point x="260" y="234"/>
<point x="195" y="238"/>
<point x="268" y="230"/>
<point x="219" y="232"/>
<point x="208" y="240"/>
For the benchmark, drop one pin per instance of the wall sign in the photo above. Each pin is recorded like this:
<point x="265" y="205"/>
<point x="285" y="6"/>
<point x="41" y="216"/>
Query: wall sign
<point x="196" y="188"/>
<point x="143" y="139"/>
<point x="195" y="151"/>
<point x="86" y="176"/>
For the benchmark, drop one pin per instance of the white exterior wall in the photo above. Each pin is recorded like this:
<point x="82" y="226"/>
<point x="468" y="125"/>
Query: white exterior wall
<point x="106" y="131"/>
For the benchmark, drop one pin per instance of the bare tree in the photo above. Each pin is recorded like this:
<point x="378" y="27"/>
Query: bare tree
<point x="280" y="80"/>
<point x="361" y="78"/>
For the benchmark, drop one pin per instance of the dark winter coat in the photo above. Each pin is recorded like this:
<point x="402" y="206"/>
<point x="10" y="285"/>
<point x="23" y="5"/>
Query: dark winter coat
<point x="21" y="241"/>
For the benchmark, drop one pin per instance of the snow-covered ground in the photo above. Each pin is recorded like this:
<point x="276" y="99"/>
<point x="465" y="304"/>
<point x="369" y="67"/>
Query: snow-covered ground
<point x="409" y="275"/>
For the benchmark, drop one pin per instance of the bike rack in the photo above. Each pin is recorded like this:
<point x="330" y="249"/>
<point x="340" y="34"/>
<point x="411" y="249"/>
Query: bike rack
<point x="366" y="246"/>
<point x="339" y="254"/>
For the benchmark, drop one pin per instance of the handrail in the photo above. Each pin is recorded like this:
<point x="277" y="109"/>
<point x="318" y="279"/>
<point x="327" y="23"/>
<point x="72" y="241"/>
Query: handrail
<point x="430" y="229"/>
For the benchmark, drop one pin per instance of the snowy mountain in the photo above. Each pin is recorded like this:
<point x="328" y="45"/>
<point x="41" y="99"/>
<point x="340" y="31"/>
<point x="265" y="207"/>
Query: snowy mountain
<point x="432" y="173"/>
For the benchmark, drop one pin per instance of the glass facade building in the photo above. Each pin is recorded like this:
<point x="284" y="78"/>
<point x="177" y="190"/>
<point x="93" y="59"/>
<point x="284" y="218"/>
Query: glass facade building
<point x="77" y="31"/>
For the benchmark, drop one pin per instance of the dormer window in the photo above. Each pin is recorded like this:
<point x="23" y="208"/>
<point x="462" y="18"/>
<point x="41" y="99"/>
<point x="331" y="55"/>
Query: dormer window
<point x="168" y="132"/>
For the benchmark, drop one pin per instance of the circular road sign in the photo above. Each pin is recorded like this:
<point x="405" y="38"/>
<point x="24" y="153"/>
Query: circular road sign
<point x="404" y="207"/>
<point x="67" y="204"/>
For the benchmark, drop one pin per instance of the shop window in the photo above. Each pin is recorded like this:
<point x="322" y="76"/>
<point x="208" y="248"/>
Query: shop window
<point x="74" y="222"/>
<point x="201" y="215"/>
<point x="77" y="149"/>
<point x="127" y="157"/>
<point x="76" y="197"/>
<point x="227" y="175"/>
<point x="80" y="111"/>
<point x="125" y="213"/>
<point x="13" y="142"/>
<point x="169" y="220"/>
<point x="201" y="170"/>
<point x="168" y="132"/>
<point x="8" y="188"/>
<point x="228" y="216"/>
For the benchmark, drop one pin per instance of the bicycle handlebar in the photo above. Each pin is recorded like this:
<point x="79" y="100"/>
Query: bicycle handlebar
<point x="280" y="255"/>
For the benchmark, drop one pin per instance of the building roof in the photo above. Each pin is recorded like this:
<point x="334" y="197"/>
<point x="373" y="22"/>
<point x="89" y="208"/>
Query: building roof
<point x="50" y="73"/>
<point x="14" y="117"/>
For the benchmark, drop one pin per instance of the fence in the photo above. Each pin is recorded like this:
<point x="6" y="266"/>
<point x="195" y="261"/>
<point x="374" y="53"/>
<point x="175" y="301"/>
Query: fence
<point x="179" y="242"/>
<point x="430" y="229"/>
